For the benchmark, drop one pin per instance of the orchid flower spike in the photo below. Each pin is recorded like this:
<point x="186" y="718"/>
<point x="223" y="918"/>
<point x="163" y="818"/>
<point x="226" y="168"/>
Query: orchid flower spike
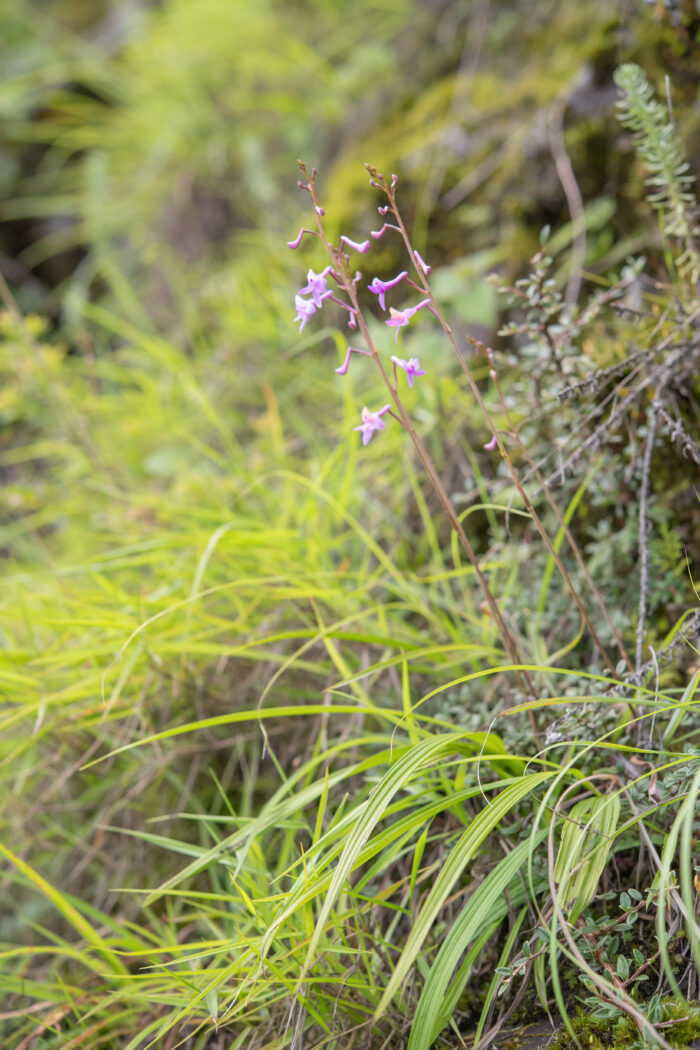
<point x="371" y="421"/>
<point x="400" y="318"/>
<point x="380" y="288"/>
<point x="411" y="367"/>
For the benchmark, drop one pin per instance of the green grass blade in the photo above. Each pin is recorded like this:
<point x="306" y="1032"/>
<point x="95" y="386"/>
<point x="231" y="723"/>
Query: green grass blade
<point x="460" y="855"/>
<point x="69" y="913"/>
<point x="586" y="841"/>
<point x="485" y="906"/>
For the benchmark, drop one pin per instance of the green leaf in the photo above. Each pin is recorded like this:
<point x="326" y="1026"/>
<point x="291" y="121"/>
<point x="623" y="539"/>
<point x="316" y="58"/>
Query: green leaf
<point x="370" y="815"/>
<point x="485" y="905"/>
<point x="586" y="841"/>
<point x="70" y="913"/>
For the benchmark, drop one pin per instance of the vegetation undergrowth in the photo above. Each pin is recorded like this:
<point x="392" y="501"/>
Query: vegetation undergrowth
<point x="313" y="739"/>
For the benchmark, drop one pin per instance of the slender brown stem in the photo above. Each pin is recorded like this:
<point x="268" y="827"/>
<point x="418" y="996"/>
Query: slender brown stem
<point x="404" y="418"/>
<point x="487" y="416"/>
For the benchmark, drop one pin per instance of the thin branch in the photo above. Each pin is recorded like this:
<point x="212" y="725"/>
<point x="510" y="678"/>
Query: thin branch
<point x="643" y="546"/>
<point x="679" y="434"/>
<point x="565" y="171"/>
<point x="537" y="521"/>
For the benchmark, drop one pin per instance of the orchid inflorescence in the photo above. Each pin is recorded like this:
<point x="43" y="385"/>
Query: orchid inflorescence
<point x="309" y="299"/>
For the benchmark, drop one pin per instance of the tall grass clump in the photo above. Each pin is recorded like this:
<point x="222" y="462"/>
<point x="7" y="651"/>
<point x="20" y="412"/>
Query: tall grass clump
<point x="377" y="752"/>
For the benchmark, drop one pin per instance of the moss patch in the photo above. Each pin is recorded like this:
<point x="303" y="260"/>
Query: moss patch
<point x="681" y="1021"/>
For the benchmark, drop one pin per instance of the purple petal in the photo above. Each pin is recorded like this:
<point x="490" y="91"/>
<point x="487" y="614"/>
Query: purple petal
<point x="298" y="239"/>
<point x="380" y="287"/>
<point x="395" y="280"/>
<point x="346" y="363"/>
<point x="423" y="265"/>
<point x="380" y="233"/>
<point x="355" y="245"/>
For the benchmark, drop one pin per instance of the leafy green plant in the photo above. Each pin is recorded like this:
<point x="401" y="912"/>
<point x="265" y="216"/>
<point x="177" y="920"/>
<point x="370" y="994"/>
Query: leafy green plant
<point x="661" y="151"/>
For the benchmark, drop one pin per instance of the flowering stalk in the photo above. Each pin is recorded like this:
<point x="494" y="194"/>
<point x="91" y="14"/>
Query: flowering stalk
<point x="422" y="270"/>
<point x="372" y="420"/>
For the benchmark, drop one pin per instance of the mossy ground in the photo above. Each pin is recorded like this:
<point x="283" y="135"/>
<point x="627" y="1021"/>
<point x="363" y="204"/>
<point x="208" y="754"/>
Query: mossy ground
<point x="679" y="1020"/>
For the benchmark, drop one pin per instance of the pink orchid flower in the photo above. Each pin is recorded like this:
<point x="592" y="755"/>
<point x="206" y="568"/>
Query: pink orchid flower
<point x="316" y="286"/>
<point x="305" y="310"/>
<point x="400" y="318"/>
<point x="411" y="367"/>
<point x="371" y="421"/>
<point x="380" y="288"/>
